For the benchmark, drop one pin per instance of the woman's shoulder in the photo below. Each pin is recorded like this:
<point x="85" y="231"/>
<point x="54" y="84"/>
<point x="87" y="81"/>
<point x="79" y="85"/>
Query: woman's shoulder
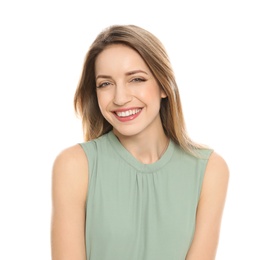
<point x="216" y="173"/>
<point x="70" y="156"/>
<point x="217" y="163"/>
<point x="70" y="164"/>
<point x="74" y="160"/>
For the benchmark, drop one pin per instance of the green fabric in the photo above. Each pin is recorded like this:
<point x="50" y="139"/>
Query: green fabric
<point x="139" y="211"/>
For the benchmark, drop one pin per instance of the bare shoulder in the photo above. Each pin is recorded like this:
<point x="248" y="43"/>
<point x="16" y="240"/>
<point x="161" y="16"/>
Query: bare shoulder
<point x="217" y="165"/>
<point x="216" y="174"/>
<point x="71" y="161"/>
<point x="73" y="156"/>
<point x="70" y="171"/>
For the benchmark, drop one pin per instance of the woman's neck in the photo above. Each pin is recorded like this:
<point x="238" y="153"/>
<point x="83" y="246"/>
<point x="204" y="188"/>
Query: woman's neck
<point x="145" y="147"/>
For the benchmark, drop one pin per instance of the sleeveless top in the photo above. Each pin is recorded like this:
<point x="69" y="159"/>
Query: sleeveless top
<point x="137" y="211"/>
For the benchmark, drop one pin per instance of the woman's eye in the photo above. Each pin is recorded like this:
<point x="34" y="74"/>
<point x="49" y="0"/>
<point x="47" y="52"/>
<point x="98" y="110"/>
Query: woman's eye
<point x="104" y="84"/>
<point x="138" y="80"/>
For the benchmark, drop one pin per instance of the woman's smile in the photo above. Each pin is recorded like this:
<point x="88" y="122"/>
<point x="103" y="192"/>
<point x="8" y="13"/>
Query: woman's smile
<point x="125" y="115"/>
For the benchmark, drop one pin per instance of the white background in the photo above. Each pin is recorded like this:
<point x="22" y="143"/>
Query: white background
<point x="227" y="62"/>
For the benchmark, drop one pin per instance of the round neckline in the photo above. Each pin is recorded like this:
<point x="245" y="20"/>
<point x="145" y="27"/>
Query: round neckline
<point x="131" y="160"/>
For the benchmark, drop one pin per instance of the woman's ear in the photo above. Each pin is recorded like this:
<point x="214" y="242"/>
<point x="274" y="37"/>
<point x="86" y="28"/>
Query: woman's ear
<point x="162" y="93"/>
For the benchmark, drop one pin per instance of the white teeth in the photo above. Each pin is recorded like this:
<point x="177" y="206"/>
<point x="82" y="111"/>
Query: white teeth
<point x="128" y="112"/>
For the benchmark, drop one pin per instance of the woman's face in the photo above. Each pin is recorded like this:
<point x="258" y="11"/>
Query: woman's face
<point x="127" y="92"/>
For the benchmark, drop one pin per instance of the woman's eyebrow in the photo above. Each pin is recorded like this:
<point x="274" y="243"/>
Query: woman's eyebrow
<point x="135" y="71"/>
<point x="103" y="76"/>
<point x="127" y="74"/>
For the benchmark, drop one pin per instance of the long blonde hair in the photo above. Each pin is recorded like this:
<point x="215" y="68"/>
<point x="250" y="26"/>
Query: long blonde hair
<point x="154" y="54"/>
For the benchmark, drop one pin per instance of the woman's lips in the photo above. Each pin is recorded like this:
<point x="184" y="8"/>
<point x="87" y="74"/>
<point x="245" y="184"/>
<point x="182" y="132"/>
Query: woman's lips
<point x="125" y="115"/>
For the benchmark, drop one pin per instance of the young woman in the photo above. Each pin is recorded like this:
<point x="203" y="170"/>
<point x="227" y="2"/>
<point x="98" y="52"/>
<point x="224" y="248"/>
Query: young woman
<point x="138" y="187"/>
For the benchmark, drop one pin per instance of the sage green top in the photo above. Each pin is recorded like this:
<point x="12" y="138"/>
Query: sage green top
<point x="137" y="211"/>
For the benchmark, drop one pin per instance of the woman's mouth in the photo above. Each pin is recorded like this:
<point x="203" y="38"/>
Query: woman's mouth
<point x="127" y="115"/>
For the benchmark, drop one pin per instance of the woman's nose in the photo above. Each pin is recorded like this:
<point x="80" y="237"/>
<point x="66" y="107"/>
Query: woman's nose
<point x="122" y="96"/>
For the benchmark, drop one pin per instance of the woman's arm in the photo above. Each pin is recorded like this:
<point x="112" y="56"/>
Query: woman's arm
<point x="69" y="189"/>
<point x="210" y="210"/>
